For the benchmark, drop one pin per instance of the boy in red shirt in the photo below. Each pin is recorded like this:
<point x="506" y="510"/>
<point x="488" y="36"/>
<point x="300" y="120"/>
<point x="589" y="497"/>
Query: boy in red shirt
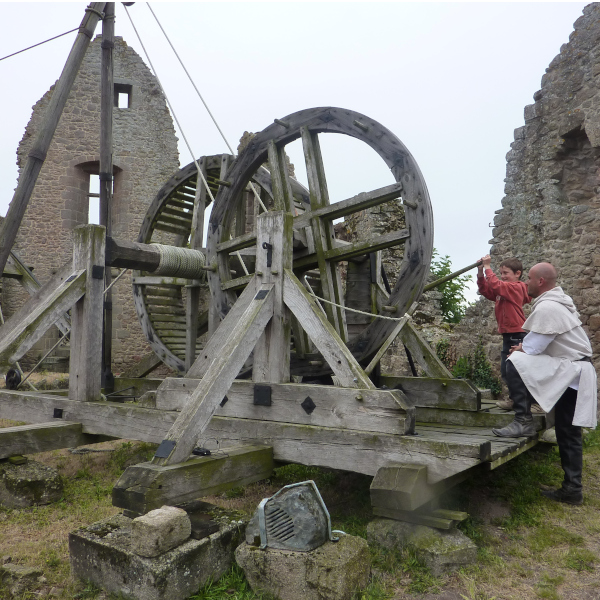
<point x="510" y="294"/>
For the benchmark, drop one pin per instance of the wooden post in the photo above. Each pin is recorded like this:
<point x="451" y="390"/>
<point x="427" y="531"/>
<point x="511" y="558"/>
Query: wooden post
<point x="106" y="178"/>
<point x="86" y="319"/>
<point x="37" y="155"/>
<point x="274" y="236"/>
<point x="193" y="290"/>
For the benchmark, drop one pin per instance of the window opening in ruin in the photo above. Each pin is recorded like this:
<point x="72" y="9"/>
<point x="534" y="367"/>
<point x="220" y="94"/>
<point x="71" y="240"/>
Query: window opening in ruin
<point x="94" y="200"/>
<point x="123" y="95"/>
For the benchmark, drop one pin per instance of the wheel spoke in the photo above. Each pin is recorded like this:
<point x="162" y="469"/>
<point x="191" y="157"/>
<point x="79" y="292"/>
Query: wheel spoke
<point x="323" y="233"/>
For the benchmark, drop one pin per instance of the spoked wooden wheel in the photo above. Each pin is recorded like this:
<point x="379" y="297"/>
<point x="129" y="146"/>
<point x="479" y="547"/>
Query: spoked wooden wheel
<point x="316" y="250"/>
<point x="161" y="302"/>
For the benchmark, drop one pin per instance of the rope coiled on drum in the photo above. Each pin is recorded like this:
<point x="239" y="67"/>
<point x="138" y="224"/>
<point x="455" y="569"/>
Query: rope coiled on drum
<point x="180" y="262"/>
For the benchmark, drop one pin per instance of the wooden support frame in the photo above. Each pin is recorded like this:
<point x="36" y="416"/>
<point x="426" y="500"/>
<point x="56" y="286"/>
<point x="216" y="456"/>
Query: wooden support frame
<point x="85" y="366"/>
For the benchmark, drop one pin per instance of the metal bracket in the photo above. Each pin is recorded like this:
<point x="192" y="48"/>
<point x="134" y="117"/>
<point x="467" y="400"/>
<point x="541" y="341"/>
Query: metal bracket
<point x="262" y="395"/>
<point x="97" y="272"/>
<point x="269" y="248"/>
<point x="165" y="448"/>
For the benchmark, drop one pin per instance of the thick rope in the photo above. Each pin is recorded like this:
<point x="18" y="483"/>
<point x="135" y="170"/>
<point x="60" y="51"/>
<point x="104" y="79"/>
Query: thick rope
<point x="179" y="262"/>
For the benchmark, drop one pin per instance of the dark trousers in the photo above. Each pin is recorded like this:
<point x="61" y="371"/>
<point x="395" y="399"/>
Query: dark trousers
<point x="568" y="436"/>
<point x="508" y="341"/>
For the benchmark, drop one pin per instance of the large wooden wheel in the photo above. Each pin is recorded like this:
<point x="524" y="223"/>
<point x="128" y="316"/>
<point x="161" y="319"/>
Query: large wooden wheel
<point x="162" y="303"/>
<point x="316" y="249"/>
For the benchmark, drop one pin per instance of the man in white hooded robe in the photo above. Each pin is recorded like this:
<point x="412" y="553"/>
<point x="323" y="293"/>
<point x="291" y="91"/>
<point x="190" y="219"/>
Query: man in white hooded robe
<point x="553" y="366"/>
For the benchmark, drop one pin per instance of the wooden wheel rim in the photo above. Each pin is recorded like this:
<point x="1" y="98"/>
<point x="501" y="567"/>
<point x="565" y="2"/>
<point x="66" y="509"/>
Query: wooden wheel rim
<point x="418" y="247"/>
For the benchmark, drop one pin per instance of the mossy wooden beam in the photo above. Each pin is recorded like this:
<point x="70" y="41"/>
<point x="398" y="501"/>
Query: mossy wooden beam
<point x="146" y="486"/>
<point x="40" y="437"/>
<point x="40" y="312"/>
<point x="455" y="394"/>
<point x="382" y="411"/>
<point x="352" y="205"/>
<point x="349" y="251"/>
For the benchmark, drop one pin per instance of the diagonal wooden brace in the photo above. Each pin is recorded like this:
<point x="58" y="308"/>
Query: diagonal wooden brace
<point x="323" y="334"/>
<point x="230" y="353"/>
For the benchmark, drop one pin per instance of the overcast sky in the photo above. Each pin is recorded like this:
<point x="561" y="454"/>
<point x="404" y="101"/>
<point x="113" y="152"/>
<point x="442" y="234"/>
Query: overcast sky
<point x="449" y="79"/>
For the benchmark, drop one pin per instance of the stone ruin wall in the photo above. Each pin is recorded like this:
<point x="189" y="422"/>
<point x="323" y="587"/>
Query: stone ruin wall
<point x="145" y="156"/>
<point x="551" y="211"/>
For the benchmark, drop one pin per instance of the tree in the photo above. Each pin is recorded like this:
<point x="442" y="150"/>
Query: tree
<point x="454" y="304"/>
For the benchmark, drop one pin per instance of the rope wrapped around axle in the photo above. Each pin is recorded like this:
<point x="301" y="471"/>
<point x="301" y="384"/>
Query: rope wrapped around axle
<point x="180" y="262"/>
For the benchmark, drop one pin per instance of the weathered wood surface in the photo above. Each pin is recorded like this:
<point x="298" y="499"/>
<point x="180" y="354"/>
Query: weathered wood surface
<point x="231" y="351"/>
<point x="352" y="250"/>
<point x="380" y="411"/>
<point x="357" y="451"/>
<point x="45" y="132"/>
<point x="422" y="352"/>
<point x="455" y="394"/>
<point x="271" y="360"/>
<point x="385" y="346"/>
<point x="439" y="519"/>
<point x="475" y="419"/>
<point x="323" y="334"/>
<point x="323" y="233"/>
<point x="31" y="284"/>
<point x="124" y="254"/>
<point x="24" y="328"/>
<point x="146" y="486"/>
<point x="85" y="364"/>
<point x="352" y="205"/>
<point x="30" y="439"/>
<point x="407" y="486"/>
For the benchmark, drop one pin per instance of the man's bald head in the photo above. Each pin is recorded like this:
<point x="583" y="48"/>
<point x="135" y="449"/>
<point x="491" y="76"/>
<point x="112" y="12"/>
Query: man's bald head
<point x="541" y="278"/>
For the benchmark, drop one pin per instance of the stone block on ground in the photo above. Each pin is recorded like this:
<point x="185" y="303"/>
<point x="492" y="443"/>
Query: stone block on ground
<point x="335" y="570"/>
<point x="442" y="551"/>
<point x="102" y="553"/>
<point x="159" y="530"/>
<point x="28" y="484"/>
<point x="19" y="579"/>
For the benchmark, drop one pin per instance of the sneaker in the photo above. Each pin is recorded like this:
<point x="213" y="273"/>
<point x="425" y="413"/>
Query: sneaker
<point x="562" y="495"/>
<point x="536" y="408"/>
<point x="505" y="404"/>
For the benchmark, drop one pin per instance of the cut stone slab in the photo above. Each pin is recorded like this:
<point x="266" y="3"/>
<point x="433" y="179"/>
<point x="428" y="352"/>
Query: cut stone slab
<point x="442" y="551"/>
<point x="102" y="553"/>
<point x="28" y="484"/>
<point x="159" y="530"/>
<point x="335" y="570"/>
<point x="19" y="579"/>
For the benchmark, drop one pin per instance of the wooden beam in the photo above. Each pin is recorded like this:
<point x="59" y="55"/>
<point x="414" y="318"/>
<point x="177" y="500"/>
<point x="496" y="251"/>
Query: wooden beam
<point x="421" y="352"/>
<point x="41" y="437"/>
<point x="323" y="335"/>
<point x="383" y="411"/>
<point x="124" y="254"/>
<point x="271" y="361"/>
<point x="349" y="251"/>
<point x="146" y="486"/>
<point x="39" y="148"/>
<point x="31" y="284"/>
<point x="85" y="364"/>
<point x="352" y="205"/>
<point x="406" y="487"/>
<point x="231" y="352"/>
<point x="455" y="394"/>
<point x="356" y="451"/>
<point x="23" y="329"/>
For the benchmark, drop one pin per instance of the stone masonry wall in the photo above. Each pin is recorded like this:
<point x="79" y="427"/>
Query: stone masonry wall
<point x="551" y="211"/>
<point x="145" y="156"/>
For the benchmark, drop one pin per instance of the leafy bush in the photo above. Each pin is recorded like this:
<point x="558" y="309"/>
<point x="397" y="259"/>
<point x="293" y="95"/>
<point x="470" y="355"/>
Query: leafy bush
<point x="475" y="366"/>
<point x="453" y="304"/>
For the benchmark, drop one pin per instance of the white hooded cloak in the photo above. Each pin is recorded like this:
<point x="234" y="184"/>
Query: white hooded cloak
<point x="549" y="374"/>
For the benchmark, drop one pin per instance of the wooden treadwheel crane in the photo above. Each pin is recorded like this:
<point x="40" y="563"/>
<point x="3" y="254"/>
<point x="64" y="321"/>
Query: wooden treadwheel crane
<point x="254" y="385"/>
